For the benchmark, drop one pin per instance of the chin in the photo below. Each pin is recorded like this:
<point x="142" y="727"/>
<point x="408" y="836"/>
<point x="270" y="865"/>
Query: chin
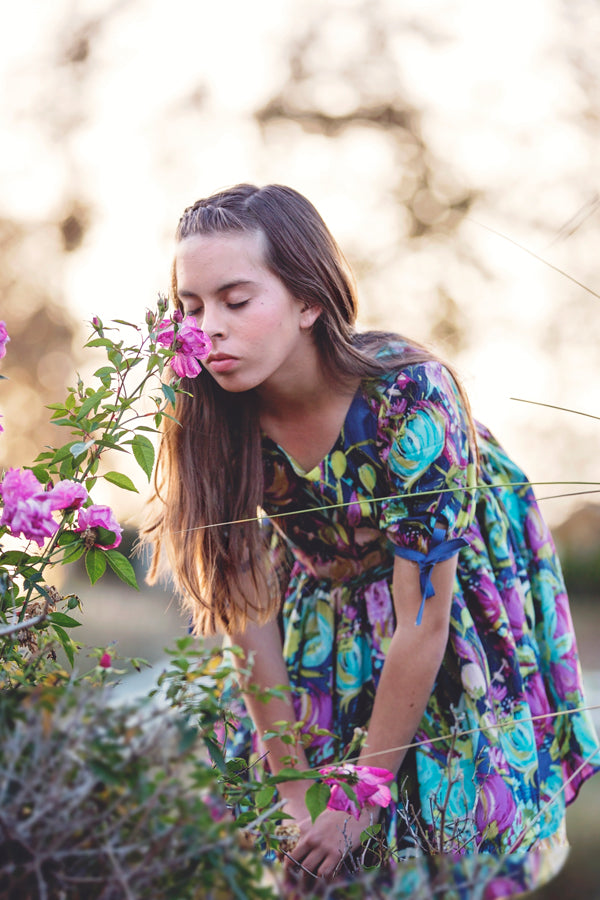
<point x="233" y="385"/>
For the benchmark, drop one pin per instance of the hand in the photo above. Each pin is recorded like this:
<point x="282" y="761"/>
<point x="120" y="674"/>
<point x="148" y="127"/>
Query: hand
<point x="323" y="846"/>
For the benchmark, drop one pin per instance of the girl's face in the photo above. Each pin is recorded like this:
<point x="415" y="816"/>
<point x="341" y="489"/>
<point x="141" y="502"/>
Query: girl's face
<point x="260" y="333"/>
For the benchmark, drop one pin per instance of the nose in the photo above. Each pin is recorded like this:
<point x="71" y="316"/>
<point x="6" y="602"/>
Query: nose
<point x="213" y="321"/>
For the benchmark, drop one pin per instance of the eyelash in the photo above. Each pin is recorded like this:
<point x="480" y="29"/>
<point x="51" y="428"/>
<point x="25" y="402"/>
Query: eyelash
<point x="199" y="311"/>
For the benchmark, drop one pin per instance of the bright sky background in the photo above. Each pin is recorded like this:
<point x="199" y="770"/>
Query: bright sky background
<point x="501" y="107"/>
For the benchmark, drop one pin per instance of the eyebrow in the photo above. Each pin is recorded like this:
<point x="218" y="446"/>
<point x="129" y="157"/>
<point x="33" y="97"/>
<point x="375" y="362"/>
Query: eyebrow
<point x="228" y="286"/>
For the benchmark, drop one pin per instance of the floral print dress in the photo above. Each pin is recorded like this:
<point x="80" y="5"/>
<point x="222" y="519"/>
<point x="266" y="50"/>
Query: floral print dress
<point x="500" y="748"/>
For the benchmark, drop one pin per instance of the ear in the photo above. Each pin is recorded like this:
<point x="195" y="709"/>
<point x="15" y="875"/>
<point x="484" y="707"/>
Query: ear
<point x="309" y="313"/>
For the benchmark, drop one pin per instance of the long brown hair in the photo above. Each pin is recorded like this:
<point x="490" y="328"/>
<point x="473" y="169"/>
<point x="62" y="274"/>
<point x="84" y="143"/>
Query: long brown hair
<point x="209" y="473"/>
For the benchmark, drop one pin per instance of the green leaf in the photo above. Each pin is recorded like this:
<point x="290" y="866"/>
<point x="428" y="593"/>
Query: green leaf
<point x="90" y="403"/>
<point x="105" y="375"/>
<point x="104" y="537"/>
<point x="122" y="481"/>
<point x="66" y="641"/>
<point x="95" y="564"/>
<point x="67" y="468"/>
<point x="110" y="444"/>
<point x="288" y="775"/>
<point x="73" y="554"/>
<point x="154" y="362"/>
<point x="169" y="393"/>
<point x="116" y="357"/>
<point x="16" y="558"/>
<point x="41" y="473"/>
<point x="143" y="450"/>
<point x="265" y="796"/>
<point x="121" y="567"/>
<point x="63" y="452"/>
<point x="316" y="799"/>
<point x="130" y="324"/>
<point x="62" y="422"/>
<point x="58" y="618"/>
<point x="99" y="342"/>
<point x="348" y="790"/>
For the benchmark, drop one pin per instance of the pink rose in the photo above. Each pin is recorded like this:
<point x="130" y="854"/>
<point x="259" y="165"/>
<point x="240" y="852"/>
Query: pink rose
<point x="190" y="343"/>
<point x="102" y="516"/>
<point x="105" y="661"/>
<point x="27" y="507"/>
<point x="369" y="784"/>
<point x="67" y="495"/>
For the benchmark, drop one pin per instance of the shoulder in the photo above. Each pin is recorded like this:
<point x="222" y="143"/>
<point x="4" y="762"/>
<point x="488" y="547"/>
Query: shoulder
<point x="414" y="382"/>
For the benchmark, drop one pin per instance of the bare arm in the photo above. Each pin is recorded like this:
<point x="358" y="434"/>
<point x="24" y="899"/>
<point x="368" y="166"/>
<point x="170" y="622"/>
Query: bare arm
<point x="263" y="642"/>
<point x="412" y="662"/>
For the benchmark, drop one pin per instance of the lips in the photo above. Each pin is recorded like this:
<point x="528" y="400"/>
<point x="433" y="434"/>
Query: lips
<point x="221" y="362"/>
<point x="218" y="356"/>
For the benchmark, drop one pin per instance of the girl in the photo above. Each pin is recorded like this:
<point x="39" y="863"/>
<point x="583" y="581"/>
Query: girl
<point x="425" y="603"/>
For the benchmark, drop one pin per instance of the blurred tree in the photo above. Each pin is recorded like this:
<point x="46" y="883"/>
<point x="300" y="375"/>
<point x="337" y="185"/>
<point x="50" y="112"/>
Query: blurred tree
<point x="344" y="82"/>
<point x="39" y="359"/>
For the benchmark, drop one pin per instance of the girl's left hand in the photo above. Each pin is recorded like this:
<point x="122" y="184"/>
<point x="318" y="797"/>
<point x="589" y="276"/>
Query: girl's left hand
<point x="323" y="846"/>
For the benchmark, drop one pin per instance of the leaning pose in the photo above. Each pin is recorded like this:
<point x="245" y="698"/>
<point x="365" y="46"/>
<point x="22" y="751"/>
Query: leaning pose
<point x="416" y="595"/>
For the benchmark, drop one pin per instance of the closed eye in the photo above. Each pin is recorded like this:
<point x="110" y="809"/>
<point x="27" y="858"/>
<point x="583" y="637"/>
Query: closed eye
<point x="237" y="305"/>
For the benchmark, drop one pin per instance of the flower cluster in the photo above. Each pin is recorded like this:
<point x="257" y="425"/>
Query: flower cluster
<point x="369" y="784"/>
<point x="28" y="507"/>
<point x="190" y="343"/>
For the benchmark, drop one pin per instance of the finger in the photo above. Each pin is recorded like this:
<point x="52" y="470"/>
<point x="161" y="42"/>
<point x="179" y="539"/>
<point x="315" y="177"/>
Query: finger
<point x="331" y="866"/>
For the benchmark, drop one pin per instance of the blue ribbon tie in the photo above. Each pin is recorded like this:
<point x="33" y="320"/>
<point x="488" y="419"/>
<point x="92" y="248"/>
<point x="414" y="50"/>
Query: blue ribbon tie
<point x="440" y="551"/>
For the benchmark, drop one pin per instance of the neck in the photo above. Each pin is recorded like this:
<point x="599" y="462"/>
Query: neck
<point x="304" y="386"/>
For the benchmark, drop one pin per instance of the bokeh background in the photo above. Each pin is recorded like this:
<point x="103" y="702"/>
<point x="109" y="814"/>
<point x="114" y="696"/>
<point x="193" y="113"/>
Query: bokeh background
<point x="452" y="147"/>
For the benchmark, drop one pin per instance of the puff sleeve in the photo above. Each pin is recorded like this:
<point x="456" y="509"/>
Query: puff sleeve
<point x="425" y="445"/>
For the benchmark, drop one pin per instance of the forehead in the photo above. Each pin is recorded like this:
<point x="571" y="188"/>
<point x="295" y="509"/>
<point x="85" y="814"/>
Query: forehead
<point x="210" y="257"/>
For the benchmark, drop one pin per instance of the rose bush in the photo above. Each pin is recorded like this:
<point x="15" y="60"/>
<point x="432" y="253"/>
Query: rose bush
<point x="177" y="817"/>
<point x="49" y="503"/>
